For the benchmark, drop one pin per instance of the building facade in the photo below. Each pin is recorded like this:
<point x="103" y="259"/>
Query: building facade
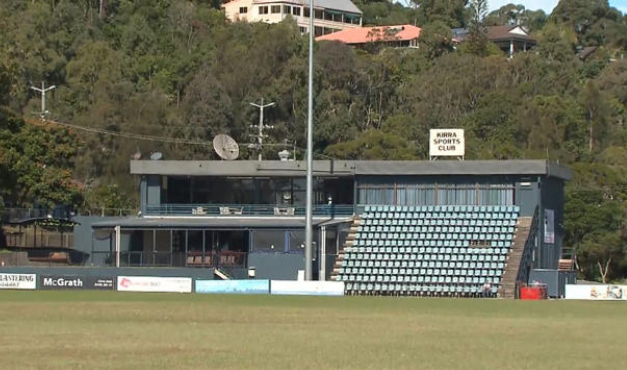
<point x="329" y="15"/>
<point x="242" y="214"/>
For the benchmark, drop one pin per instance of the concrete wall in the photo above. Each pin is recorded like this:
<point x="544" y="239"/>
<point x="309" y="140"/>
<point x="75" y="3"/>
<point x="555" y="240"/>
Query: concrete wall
<point x="206" y="274"/>
<point x="276" y="266"/>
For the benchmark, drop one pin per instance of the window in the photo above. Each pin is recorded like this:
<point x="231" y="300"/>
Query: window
<point x="263" y="10"/>
<point x="337" y="17"/>
<point x="287" y="9"/>
<point x="302" y="29"/>
<point x="307" y="13"/>
<point x="243" y="10"/>
<point x="296" y="11"/>
<point x="328" y="16"/>
<point x="318" y="14"/>
<point x="318" y="31"/>
<point x="275" y="9"/>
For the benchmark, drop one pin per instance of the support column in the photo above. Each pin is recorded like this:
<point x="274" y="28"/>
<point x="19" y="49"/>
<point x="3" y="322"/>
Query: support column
<point x="511" y="48"/>
<point x="118" y="238"/>
<point x="323" y="254"/>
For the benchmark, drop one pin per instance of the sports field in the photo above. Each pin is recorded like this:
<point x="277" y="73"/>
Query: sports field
<point x="107" y="330"/>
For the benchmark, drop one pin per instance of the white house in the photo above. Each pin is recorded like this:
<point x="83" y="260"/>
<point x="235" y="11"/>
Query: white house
<point x="329" y="15"/>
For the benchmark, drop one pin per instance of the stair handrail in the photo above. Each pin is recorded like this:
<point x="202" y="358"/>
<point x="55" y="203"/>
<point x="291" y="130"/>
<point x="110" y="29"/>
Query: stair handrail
<point x="526" y="259"/>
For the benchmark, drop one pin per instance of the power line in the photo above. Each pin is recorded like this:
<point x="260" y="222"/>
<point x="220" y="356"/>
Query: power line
<point x="130" y="135"/>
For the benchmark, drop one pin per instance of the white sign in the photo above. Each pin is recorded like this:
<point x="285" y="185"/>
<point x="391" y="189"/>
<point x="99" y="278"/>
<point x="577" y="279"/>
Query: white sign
<point x="597" y="292"/>
<point x="447" y="143"/>
<point x="154" y="284"/>
<point x="291" y="287"/>
<point x="18" y="281"/>
<point x="549" y="226"/>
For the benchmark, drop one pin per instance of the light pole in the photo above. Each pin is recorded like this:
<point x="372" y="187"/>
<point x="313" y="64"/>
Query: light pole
<point x="43" y="92"/>
<point x="308" y="217"/>
<point x="261" y="126"/>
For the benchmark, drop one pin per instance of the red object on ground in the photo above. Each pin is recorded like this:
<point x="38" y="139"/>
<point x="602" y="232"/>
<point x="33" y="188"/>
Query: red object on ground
<point x="533" y="293"/>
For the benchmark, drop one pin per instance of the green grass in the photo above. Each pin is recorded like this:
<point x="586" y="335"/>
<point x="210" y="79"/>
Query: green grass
<point x="107" y="330"/>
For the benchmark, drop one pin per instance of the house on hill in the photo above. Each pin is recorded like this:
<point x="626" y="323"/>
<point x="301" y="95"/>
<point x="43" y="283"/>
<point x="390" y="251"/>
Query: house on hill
<point x="393" y="36"/>
<point x="329" y="15"/>
<point x="510" y="39"/>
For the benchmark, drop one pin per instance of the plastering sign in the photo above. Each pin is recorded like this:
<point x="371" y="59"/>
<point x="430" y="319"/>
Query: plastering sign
<point x="154" y="284"/>
<point x="233" y="286"/>
<point x="18" y="281"/>
<point x="447" y="143"/>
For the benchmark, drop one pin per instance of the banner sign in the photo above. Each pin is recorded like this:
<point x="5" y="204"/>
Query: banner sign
<point x="597" y="292"/>
<point x="549" y="226"/>
<point x="66" y="282"/>
<point x="154" y="284"/>
<point x="233" y="286"/>
<point x="18" y="281"/>
<point x="447" y="143"/>
<point x="328" y="288"/>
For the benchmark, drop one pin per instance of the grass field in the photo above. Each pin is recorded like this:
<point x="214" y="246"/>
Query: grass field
<point x="107" y="330"/>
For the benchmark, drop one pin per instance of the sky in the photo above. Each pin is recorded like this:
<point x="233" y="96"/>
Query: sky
<point x="547" y="5"/>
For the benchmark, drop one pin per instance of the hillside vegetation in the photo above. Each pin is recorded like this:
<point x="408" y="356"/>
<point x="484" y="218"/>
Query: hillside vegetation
<point x="178" y="70"/>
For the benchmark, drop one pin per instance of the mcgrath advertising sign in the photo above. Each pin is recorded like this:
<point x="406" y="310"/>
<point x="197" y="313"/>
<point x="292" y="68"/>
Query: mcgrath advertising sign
<point x="447" y="143"/>
<point x="154" y="284"/>
<point x="66" y="282"/>
<point x="233" y="286"/>
<point x="330" y="288"/>
<point x="18" y="281"/>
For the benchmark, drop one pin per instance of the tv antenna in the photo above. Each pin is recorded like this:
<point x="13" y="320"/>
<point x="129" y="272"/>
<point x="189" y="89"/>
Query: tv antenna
<point x="43" y="92"/>
<point x="226" y="147"/>
<point x="260" y="127"/>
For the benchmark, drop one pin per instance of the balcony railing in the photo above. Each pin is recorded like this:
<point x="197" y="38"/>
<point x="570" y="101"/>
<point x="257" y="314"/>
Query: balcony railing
<point x="323" y="210"/>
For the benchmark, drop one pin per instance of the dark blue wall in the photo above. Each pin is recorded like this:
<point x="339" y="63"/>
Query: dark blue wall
<point x="276" y="266"/>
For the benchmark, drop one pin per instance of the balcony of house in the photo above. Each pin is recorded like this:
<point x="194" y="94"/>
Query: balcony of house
<point x="183" y="196"/>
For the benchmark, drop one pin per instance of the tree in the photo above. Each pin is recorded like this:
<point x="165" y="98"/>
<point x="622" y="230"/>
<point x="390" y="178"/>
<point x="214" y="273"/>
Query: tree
<point x="450" y="12"/>
<point x="436" y="39"/>
<point x="477" y="42"/>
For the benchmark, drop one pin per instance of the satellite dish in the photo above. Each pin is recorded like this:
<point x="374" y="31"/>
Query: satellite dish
<point x="226" y="147"/>
<point x="156" y="156"/>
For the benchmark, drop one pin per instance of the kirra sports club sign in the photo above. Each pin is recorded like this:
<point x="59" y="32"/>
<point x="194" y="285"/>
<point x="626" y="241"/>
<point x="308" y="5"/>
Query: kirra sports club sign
<point x="447" y="143"/>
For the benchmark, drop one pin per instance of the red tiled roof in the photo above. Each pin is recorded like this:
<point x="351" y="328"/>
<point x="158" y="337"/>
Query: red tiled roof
<point x="364" y="35"/>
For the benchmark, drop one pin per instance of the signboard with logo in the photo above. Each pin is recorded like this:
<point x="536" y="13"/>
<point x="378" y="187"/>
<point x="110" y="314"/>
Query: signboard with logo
<point x="18" y="281"/>
<point x="154" y="284"/>
<point x="328" y="288"/>
<point x="233" y="286"/>
<point x="66" y="282"/>
<point x="596" y="292"/>
<point x="447" y="143"/>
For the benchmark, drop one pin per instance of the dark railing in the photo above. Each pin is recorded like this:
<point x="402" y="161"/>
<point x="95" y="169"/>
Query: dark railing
<point x="178" y="259"/>
<point x="331" y="210"/>
<point x="527" y="254"/>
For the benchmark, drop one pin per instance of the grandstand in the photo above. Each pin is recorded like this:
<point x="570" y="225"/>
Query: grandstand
<point x="423" y="228"/>
<point x="431" y="250"/>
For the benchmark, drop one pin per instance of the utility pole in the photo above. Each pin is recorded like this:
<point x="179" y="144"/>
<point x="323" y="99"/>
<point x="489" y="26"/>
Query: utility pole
<point x="309" y="209"/>
<point x="260" y="127"/>
<point x="43" y="92"/>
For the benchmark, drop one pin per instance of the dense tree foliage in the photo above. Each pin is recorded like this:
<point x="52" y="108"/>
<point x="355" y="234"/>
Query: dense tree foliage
<point x="179" y="70"/>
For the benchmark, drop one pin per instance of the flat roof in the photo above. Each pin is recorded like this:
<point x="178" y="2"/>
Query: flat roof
<point x="339" y="168"/>
<point x="221" y="222"/>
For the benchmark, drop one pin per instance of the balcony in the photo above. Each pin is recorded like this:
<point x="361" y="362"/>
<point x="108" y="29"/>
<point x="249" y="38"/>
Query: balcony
<point x="248" y="210"/>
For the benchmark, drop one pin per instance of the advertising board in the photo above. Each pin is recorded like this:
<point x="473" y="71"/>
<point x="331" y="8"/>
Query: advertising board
<point x="18" y="281"/>
<point x="327" y="288"/>
<point x="68" y="282"/>
<point x="154" y="284"/>
<point x="447" y="143"/>
<point x="596" y="292"/>
<point x="233" y="286"/>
